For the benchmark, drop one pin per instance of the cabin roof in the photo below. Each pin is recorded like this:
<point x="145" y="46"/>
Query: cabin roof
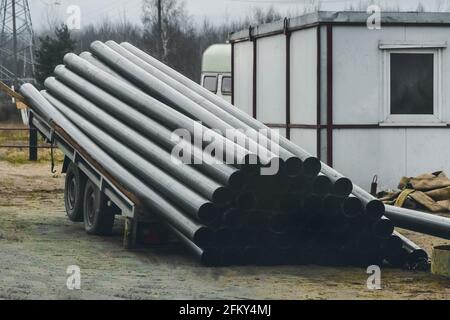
<point x="342" y="18"/>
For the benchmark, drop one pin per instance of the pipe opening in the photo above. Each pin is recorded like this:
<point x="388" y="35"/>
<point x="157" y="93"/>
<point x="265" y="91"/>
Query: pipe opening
<point x="232" y="217"/>
<point x="204" y="238"/>
<point x="343" y="187"/>
<point x="312" y="205"/>
<point x="210" y="258"/>
<point x="208" y="213"/>
<point x="353" y="207"/>
<point x="222" y="196"/>
<point x="280" y="222"/>
<point x="417" y="255"/>
<point x="312" y="166"/>
<point x="383" y="228"/>
<point x="223" y="236"/>
<point x="237" y="180"/>
<point x="245" y="201"/>
<point x="290" y="203"/>
<point x="322" y="185"/>
<point x="332" y="205"/>
<point x="375" y="209"/>
<point x="293" y="167"/>
<point x="394" y="244"/>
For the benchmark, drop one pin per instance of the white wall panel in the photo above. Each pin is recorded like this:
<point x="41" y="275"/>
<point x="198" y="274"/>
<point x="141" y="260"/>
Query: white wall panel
<point x="304" y="76"/>
<point x="428" y="150"/>
<point x="357" y="76"/>
<point x="271" y="79"/>
<point x="362" y="153"/>
<point x="305" y="138"/>
<point x="243" y="76"/>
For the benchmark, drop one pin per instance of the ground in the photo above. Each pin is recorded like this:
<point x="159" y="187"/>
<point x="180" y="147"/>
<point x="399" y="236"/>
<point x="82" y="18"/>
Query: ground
<point x="38" y="243"/>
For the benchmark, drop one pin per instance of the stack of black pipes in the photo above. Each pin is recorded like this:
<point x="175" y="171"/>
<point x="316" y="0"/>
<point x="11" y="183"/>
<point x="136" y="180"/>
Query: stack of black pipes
<point x="228" y="208"/>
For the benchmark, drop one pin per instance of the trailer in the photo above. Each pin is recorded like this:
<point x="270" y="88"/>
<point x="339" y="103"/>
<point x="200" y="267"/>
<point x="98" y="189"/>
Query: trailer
<point x="91" y="195"/>
<point x="116" y="134"/>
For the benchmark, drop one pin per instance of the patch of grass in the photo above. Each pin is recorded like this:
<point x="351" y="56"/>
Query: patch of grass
<point x="20" y="155"/>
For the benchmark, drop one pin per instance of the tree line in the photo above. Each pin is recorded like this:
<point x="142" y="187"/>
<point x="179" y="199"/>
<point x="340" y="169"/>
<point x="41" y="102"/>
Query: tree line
<point x="176" y="39"/>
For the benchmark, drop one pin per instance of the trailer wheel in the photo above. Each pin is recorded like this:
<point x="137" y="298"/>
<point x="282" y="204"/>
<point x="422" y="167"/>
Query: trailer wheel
<point x="73" y="193"/>
<point x="98" y="217"/>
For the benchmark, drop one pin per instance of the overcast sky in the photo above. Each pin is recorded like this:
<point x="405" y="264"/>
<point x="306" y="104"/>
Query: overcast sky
<point x="93" y="11"/>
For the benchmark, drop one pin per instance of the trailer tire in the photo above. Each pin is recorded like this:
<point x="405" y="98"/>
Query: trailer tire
<point x="98" y="217"/>
<point x="73" y="193"/>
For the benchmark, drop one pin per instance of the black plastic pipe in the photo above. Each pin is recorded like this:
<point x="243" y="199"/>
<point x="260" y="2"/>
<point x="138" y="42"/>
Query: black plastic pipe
<point x="133" y="139"/>
<point x="224" y="174"/>
<point x="194" y="204"/>
<point x="198" y="233"/>
<point x="209" y="257"/>
<point x="293" y="163"/>
<point x="169" y="95"/>
<point x="311" y="164"/>
<point x="153" y="108"/>
<point x="422" y="222"/>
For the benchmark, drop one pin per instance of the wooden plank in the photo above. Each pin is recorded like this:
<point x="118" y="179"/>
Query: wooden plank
<point x="21" y="103"/>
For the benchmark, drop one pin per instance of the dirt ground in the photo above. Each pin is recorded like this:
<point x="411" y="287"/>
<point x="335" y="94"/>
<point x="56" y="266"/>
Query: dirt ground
<point x="38" y="243"/>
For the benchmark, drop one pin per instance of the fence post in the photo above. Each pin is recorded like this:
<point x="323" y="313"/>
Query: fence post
<point x="33" y="142"/>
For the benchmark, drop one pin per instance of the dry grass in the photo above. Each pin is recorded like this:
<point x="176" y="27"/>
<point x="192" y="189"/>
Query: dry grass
<point x="20" y="138"/>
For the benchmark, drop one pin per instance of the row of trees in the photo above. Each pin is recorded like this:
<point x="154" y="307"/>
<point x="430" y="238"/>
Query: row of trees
<point x="175" y="39"/>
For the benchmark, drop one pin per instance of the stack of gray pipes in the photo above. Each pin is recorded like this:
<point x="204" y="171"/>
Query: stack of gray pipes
<point x="233" y="197"/>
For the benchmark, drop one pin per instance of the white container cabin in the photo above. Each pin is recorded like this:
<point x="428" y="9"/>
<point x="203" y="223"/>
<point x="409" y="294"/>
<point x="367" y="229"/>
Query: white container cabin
<point x="366" y="101"/>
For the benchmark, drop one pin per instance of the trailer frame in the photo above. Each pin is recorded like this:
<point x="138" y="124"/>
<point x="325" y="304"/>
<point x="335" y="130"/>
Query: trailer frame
<point x="133" y="215"/>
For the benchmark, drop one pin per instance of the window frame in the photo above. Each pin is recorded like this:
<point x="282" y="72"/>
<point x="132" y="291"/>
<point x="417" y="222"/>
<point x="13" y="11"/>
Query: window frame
<point x="226" y="93"/>
<point x="389" y="119"/>
<point x="211" y="76"/>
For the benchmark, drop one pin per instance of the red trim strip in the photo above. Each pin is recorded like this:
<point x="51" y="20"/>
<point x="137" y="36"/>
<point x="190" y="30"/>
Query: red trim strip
<point x="352" y="126"/>
<point x="232" y="73"/>
<point x="288" y="84"/>
<point x="330" y="95"/>
<point x="255" y="73"/>
<point x="319" y="93"/>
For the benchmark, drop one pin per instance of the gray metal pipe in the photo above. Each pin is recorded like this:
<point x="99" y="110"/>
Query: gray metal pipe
<point x="383" y="228"/>
<point x="89" y="57"/>
<point x="224" y="174"/>
<point x="209" y="257"/>
<point x="352" y="207"/>
<point x="165" y="93"/>
<point x="131" y="138"/>
<point x="419" y="221"/>
<point x="415" y="253"/>
<point x="125" y="181"/>
<point x="311" y="164"/>
<point x="195" y="205"/>
<point x="153" y="108"/>
<point x="293" y="163"/>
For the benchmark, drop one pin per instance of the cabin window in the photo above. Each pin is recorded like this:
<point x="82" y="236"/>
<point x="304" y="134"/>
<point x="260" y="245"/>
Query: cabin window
<point x="412" y="86"/>
<point x="226" y="85"/>
<point x="210" y="83"/>
<point x="412" y="83"/>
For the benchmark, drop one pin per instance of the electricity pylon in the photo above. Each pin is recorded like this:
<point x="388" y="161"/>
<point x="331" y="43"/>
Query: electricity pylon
<point x="16" y="43"/>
